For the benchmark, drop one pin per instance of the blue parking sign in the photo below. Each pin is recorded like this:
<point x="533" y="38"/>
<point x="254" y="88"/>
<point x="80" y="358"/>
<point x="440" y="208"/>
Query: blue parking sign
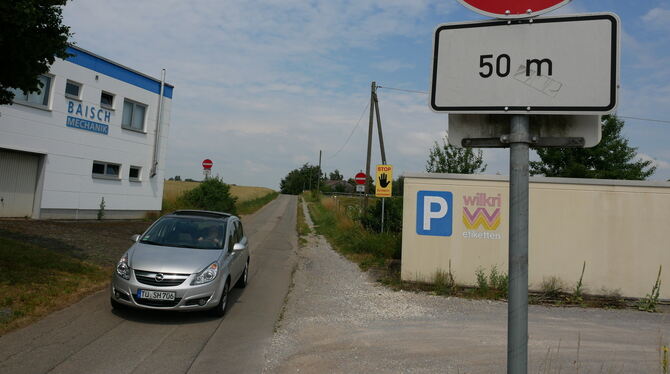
<point x="434" y="214"/>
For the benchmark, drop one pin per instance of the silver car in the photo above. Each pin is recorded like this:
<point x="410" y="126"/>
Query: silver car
<point x="186" y="260"/>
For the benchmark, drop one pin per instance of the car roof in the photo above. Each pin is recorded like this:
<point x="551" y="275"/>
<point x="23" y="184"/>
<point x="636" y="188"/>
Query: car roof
<point x="202" y="213"/>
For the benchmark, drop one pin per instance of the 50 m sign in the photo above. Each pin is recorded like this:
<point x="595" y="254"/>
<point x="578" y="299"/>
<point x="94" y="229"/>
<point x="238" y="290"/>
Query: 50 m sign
<point x="552" y="65"/>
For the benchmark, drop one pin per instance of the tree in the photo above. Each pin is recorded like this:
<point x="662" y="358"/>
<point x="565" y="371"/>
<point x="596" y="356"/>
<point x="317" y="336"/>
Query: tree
<point x="335" y="176"/>
<point x="449" y="159"/>
<point x="612" y="158"/>
<point x="212" y="194"/>
<point x="31" y="37"/>
<point x="298" y="180"/>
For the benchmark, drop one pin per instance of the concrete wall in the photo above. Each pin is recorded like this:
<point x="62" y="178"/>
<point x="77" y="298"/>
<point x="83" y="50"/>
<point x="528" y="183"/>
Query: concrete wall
<point x="620" y="228"/>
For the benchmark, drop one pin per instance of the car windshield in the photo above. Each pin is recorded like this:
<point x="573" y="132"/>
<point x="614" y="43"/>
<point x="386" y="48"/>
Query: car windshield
<point x="187" y="232"/>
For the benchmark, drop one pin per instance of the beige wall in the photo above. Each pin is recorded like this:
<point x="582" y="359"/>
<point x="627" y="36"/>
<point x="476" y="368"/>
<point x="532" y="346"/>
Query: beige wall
<point x="620" y="228"/>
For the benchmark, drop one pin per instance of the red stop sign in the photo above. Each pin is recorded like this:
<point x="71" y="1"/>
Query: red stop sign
<point x="360" y="178"/>
<point x="207" y="164"/>
<point x="513" y="8"/>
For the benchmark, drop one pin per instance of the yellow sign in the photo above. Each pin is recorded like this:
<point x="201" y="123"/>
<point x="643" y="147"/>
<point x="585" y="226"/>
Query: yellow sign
<point x="384" y="181"/>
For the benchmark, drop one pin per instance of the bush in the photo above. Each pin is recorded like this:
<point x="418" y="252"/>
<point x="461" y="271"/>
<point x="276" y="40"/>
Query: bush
<point x="212" y="194"/>
<point x="392" y="216"/>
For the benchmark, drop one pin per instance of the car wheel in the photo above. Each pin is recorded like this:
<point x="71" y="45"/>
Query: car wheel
<point x="244" y="279"/>
<point x="220" y="309"/>
<point x="116" y="305"/>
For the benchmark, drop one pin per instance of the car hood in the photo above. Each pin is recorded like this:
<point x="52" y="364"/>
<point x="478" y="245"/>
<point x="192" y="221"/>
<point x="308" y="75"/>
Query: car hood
<point x="171" y="259"/>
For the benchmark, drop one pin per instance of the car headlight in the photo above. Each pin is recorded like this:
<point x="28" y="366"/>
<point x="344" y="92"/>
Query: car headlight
<point x="207" y="275"/>
<point x="122" y="268"/>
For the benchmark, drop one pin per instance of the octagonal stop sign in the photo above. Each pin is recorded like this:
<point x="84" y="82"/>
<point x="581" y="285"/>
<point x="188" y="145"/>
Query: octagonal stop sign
<point x="513" y="8"/>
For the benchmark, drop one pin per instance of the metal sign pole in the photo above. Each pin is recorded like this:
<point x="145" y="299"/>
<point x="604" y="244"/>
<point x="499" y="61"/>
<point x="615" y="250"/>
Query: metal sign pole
<point x="383" y="199"/>
<point x="517" y="307"/>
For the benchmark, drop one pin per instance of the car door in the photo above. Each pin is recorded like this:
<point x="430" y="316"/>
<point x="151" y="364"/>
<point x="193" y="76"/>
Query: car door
<point x="238" y="257"/>
<point x="242" y="239"/>
<point x="231" y="256"/>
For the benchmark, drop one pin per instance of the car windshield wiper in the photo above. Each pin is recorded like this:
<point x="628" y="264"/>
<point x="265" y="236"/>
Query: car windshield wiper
<point x="151" y="242"/>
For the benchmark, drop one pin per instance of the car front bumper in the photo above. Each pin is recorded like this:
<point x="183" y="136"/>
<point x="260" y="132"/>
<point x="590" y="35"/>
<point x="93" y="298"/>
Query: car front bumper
<point x="187" y="297"/>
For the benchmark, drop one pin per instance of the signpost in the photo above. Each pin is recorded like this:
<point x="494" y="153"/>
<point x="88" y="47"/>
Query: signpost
<point x="207" y="167"/>
<point x="384" y="185"/>
<point x="521" y="81"/>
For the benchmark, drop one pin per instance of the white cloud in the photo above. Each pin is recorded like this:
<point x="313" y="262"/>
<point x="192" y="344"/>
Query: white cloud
<point x="660" y="164"/>
<point x="658" y="17"/>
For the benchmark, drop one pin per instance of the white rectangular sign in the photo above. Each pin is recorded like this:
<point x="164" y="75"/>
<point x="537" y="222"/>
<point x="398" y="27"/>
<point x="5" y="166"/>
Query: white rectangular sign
<point x="547" y="65"/>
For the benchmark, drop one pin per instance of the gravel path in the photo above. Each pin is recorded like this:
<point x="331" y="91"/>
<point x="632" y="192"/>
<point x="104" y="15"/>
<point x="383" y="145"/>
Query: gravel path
<point x="338" y="320"/>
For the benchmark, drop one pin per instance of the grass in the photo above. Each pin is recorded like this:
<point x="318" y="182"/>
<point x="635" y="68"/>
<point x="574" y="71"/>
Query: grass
<point x="36" y="281"/>
<point x="249" y="199"/>
<point x="302" y="227"/>
<point x="251" y="206"/>
<point x="333" y="219"/>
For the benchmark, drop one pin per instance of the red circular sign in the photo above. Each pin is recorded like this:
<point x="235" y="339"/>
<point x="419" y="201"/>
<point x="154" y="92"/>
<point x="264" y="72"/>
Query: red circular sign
<point x="513" y="8"/>
<point x="207" y="164"/>
<point x="360" y="178"/>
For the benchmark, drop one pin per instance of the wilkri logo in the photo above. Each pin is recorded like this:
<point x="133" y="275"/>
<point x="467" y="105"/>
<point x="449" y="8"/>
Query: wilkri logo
<point x="481" y="211"/>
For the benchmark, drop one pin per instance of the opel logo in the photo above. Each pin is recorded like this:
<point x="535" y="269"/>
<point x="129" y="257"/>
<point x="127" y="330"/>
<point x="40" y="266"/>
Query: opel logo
<point x="159" y="277"/>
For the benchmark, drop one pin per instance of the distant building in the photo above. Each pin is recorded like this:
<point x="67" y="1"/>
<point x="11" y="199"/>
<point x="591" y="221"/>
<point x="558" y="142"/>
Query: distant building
<point x="89" y="135"/>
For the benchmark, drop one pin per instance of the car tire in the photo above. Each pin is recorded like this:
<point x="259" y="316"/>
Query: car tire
<point x="220" y="309"/>
<point x="116" y="305"/>
<point x="244" y="278"/>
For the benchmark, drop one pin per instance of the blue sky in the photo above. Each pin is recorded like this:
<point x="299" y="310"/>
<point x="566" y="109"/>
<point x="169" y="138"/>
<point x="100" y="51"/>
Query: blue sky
<point x="262" y="86"/>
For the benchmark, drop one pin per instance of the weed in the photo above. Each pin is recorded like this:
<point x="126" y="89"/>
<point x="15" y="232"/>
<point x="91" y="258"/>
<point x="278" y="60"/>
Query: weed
<point x="482" y="284"/>
<point x="101" y="209"/>
<point x="665" y="363"/>
<point x="577" y="296"/>
<point x="551" y="287"/>
<point x="443" y="282"/>
<point x="498" y="281"/>
<point x="649" y="302"/>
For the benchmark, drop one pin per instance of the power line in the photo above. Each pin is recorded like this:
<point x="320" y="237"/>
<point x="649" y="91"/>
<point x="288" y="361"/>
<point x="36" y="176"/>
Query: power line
<point x="352" y="132"/>
<point x="646" y="119"/>
<point x="404" y="90"/>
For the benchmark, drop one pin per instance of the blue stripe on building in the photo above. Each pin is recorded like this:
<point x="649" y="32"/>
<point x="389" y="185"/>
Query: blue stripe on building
<point x="102" y="66"/>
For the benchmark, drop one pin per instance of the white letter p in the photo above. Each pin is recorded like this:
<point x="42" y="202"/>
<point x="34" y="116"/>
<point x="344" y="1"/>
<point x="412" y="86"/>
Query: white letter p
<point x="428" y="214"/>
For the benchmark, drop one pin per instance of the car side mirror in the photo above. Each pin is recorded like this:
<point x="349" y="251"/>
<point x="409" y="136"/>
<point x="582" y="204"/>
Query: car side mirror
<point x="239" y="247"/>
<point x="135" y="238"/>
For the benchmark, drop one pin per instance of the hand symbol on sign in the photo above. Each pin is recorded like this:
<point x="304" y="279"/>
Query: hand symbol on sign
<point x="382" y="180"/>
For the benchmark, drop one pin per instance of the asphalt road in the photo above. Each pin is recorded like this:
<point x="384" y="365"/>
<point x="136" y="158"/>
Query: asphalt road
<point x="89" y="337"/>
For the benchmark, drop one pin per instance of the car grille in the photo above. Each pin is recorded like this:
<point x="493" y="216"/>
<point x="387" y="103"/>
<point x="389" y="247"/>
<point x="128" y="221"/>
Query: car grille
<point x="169" y="280"/>
<point x="159" y="303"/>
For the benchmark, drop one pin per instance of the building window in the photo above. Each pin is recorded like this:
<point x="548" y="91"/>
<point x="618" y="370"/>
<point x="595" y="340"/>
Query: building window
<point x="134" y="173"/>
<point x="38" y="98"/>
<point x="133" y="116"/>
<point x="106" y="170"/>
<point x="73" y="90"/>
<point x="107" y="100"/>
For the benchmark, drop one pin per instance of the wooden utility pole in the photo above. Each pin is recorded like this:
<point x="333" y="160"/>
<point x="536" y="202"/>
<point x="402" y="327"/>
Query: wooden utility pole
<point x="318" y="180"/>
<point x="374" y="108"/>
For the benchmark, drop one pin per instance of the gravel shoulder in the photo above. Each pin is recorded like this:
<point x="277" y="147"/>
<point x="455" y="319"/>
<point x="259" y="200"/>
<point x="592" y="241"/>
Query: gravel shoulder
<point x="339" y="320"/>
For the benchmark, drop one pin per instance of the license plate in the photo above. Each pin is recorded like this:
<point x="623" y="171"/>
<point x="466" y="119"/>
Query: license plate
<point x="156" y="295"/>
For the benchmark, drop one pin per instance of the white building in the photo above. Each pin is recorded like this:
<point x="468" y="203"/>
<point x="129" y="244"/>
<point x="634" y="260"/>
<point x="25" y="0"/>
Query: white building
<point x="91" y="134"/>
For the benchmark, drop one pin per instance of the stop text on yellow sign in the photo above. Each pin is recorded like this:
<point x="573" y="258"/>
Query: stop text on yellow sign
<point x="384" y="181"/>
